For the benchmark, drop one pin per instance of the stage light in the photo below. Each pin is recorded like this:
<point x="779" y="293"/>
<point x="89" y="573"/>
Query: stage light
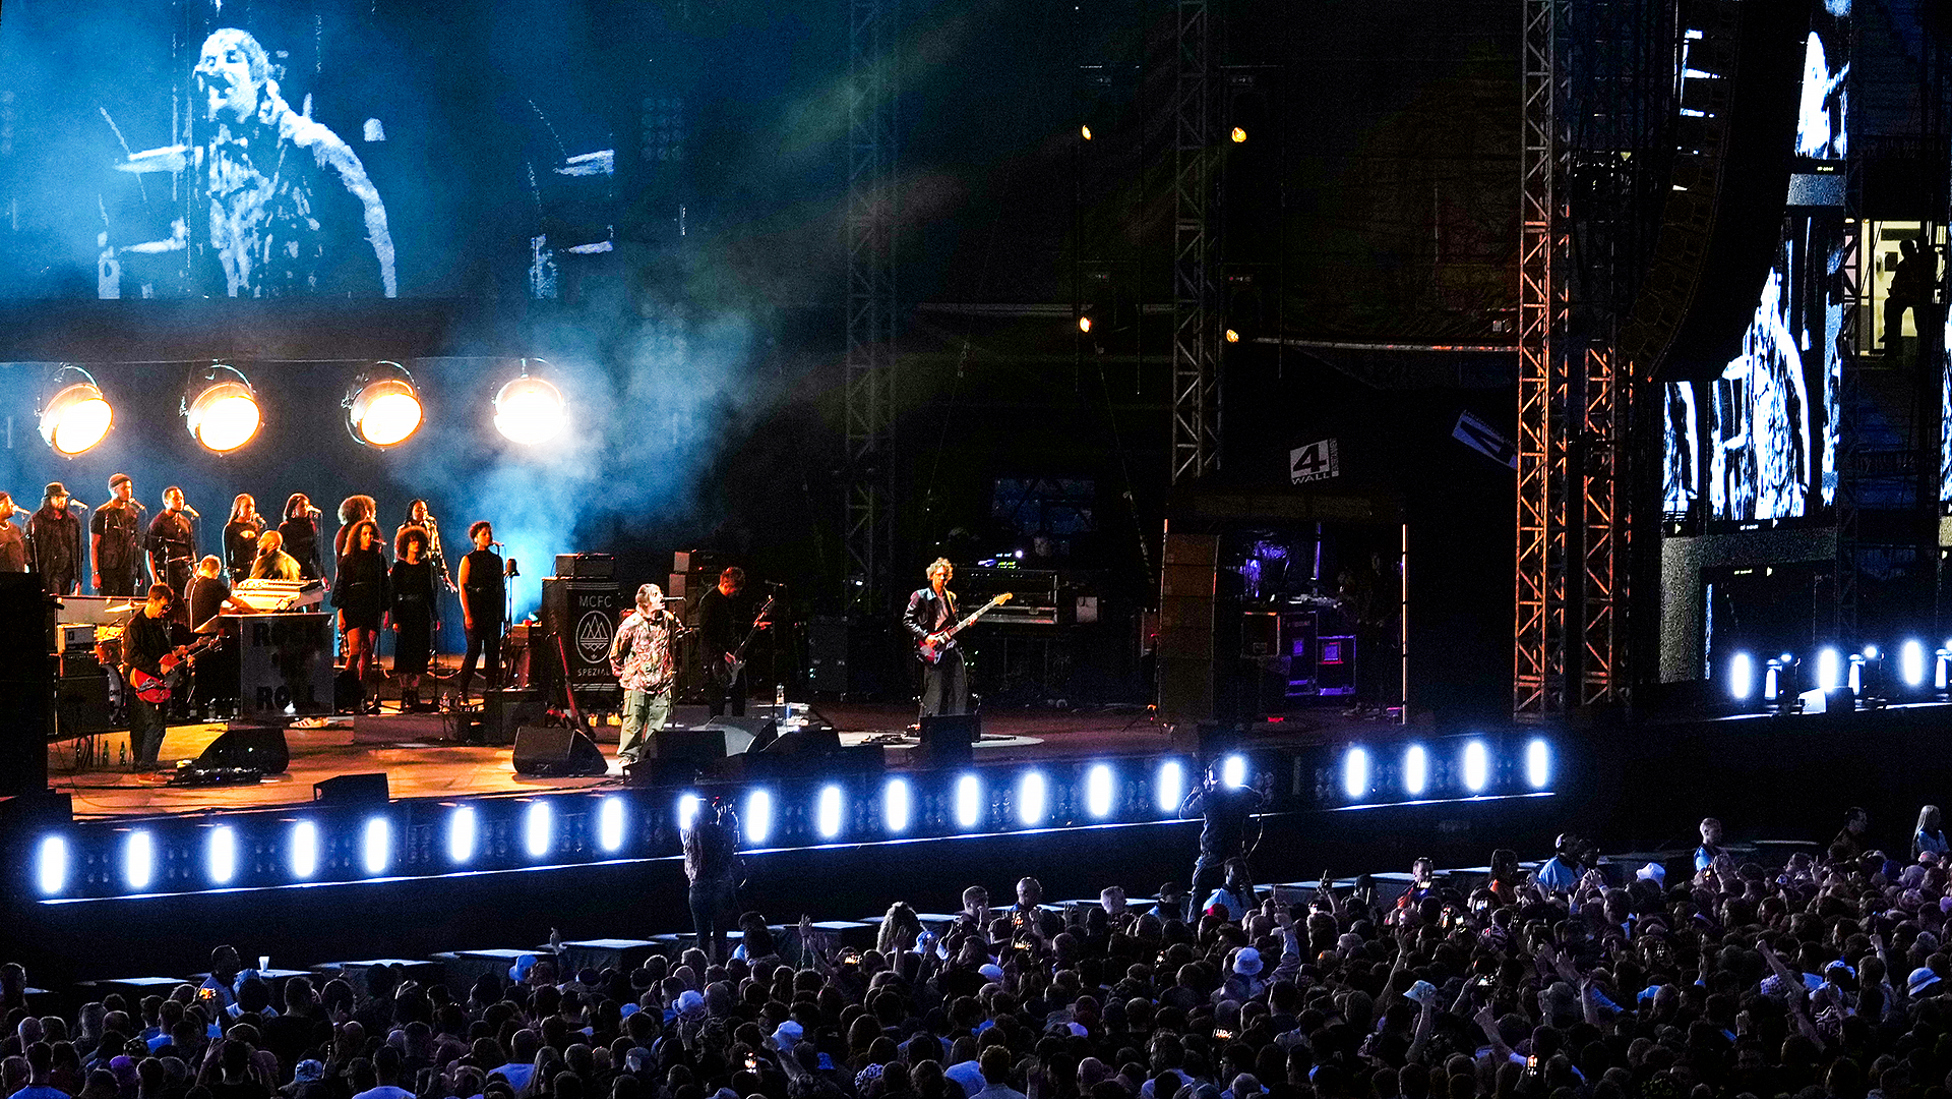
<point x="1477" y="766"/>
<point x="1355" y="772"/>
<point x="688" y="806"/>
<point x="538" y="828"/>
<point x="382" y="406"/>
<point x="530" y="410"/>
<point x="759" y="817"/>
<point x="223" y="854"/>
<point x="969" y="801"/>
<point x="1233" y="335"/>
<point x="1239" y="135"/>
<point x="1233" y="770"/>
<point x="139" y="860"/>
<point x="1741" y="677"/>
<point x="376" y="845"/>
<point x="1098" y="791"/>
<point x="826" y="812"/>
<point x="1856" y="674"/>
<point x="1772" y="681"/>
<point x="1911" y="664"/>
<point x="1538" y="763"/>
<point x="75" y="416"/>
<point x="1033" y="798"/>
<point x="1940" y="678"/>
<point x="897" y="806"/>
<point x="1085" y="132"/>
<point x="221" y="412"/>
<point x="304" y="849"/>
<point x="1170" y="788"/>
<point x="1416" y="770"/>
<point x="1829" y="669"/>
<point x="1084" y="323"/>
<point x="610" y="825"/>
<point x="51" y="865"/>
<point x="462" y="828"/>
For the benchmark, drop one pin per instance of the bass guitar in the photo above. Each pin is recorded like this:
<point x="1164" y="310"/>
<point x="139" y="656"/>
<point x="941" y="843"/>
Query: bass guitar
<point x="727" y="668"/>
<point x="156" y="689"/>
<point x="931" y="648"/>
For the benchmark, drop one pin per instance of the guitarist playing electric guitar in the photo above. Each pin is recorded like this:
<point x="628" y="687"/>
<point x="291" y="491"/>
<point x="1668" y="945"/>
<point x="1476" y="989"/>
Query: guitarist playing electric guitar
<point x="719" y="646"/>
<point x="148" y="654"/>
<point x="932" y="623"/>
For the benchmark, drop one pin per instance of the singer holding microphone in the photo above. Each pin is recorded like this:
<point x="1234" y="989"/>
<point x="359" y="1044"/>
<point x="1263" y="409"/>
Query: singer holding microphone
<point x="115" y="539"/>
<point x="300" y="534"/>
<point x="13" y="539"/>
<point x="172" y="546"/>
<point x="483" y="592"/>
<point x="54" y="541"/>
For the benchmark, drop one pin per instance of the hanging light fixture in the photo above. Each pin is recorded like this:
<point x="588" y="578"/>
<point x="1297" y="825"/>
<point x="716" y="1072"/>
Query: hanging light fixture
<point x="382" y="406"/>
<point x="530" y="409"/>
<point x="75" y="416"/>
<point x="221" y="411"/>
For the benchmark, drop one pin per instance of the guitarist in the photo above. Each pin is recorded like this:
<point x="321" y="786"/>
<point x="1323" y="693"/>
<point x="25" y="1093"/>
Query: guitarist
<point x="145" y="643"/>
<point x="945" y="683"/>
<point x="718" y="640"/>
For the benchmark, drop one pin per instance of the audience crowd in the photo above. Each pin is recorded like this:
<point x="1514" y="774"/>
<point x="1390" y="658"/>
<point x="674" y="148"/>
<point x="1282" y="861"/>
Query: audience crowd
<point x="1823" y="978"/>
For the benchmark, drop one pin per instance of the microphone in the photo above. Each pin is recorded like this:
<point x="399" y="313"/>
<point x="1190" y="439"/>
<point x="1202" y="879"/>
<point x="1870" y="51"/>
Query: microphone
<point x="191" y="512"/>
<point x="74" y="503"/>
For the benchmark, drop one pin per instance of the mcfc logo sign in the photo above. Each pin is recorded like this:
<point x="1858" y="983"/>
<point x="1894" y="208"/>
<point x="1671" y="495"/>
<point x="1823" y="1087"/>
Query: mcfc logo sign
<point x="593" y="632"/>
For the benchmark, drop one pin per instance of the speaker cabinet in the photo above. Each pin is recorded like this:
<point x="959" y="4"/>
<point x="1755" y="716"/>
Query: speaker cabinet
<point x="505" y="711"/>
<point x="366" y="789"/>
<point x="555" y="752"/>
<point x="248" y="746"/>
<point x="950" y="739"/>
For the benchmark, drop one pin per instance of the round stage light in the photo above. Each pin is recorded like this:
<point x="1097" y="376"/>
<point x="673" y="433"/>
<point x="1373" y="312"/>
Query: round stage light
<point x="221" y="412"/>
<point x="1356" y="773"/>
<point x="139" y="860"/>
<point x="463" y="826"/>
<point x="969" y="801"/>
<point x="538" y="828"/>
<point x="223" y="854"/>
<point x="826" y="812"/>
<point x="610" y="825"/>
<point x="51" y="865"/>
<point x="1170" y="788"/>
<point x="1033" y="798"/>
<point x="1239" y="135"/>
<point x="376" y="845"/>
<point x="304" y="849"/>
<point x="1741" y="677"/>
<point x="1233" y="335"/>
<point x="1829" y="669"/>
<point x="1085" y="132"/>
<point x="1233" y="770"/>
<point x="1911" y="664"/>
<point x="1416" y="770"/>
<point x="1477" y="767"/>
<point x="530" y="410"/>
<point x="77" y="416"/>
<point x="759" y="817"/>
<point x="1538" y="763"/>
<point x="1098" y="791"/>
<point x="383" y="407"/>
<point x="1084" y="323"/>
<point x="688" y="806"/>
<point x="897" y="806"/>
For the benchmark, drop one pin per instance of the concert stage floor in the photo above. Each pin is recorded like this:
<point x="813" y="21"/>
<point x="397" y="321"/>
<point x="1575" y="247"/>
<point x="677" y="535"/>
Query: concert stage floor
<point x="421" y="762"/>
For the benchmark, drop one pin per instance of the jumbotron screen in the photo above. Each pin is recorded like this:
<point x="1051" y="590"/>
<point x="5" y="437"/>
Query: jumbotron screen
<point x="178" y="149"/>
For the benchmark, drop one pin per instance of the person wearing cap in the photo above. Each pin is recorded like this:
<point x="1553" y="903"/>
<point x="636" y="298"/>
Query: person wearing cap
<point x="1563" y="870"/>
<point x="13" y="539"/>
<point x="115" y="539"/>
<point x="641" y="659"/>
<point x="54" y="542"/>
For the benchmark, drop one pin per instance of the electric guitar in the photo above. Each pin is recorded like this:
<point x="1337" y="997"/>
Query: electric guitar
<point x="727" y="668"/>
<point x="155" y="689"/>
<point x="930" y="652"/>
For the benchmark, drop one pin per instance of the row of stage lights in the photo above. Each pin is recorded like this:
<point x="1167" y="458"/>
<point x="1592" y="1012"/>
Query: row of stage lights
<point x="1775" y="685"/>
<point x="428" y="838"/>
<point x="1421" y="774"/>
<point x="220" y="408"/>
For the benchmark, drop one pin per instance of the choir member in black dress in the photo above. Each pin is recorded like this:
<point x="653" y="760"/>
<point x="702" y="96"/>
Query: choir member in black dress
<point x="412" y="614"/>
<point x="352" y="509"/>
<point x="300" y="531"/>
<point x="241" y="536"/>
<point x="360" y="594"/>
<point x="482" y="594"/>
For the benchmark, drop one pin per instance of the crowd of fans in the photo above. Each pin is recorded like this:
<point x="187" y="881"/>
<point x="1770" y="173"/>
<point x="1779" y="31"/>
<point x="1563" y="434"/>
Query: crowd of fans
<point x="1701" y="978"/>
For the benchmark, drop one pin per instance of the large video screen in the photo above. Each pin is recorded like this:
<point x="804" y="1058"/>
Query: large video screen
<point x="1821" y="131"/>
<point x="1758" y="444"/>
<point x="178" y="149"/>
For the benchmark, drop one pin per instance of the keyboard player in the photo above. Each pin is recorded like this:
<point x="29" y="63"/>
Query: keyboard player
<point x="273" y="563"/>
<point x="216" y="674"/>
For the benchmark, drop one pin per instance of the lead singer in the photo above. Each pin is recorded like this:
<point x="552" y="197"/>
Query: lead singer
<point x="640" y="658"/>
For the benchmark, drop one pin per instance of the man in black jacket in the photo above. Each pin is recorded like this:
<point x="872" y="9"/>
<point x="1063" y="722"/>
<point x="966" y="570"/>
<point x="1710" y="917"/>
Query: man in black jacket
<point x="54" y="542"/>
<point x="719" y="635"/>
<point x="945" y="682"/>
<point x="146" y="642"/>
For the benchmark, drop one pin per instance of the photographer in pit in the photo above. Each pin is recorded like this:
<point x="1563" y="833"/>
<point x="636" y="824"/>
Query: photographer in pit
<point x="1228" y="829"/>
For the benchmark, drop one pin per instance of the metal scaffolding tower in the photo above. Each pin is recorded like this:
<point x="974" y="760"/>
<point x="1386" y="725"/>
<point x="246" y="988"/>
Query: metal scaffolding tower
<point x="872" y="89"/>
<point x="1196" y="259"/>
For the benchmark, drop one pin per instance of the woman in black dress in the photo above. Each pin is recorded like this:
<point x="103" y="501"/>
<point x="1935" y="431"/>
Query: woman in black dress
<point x="412" y="613"/>
<point x="300" y="530"/>
<point x="361" y="598"/>
<point x="241" y="537"/>
<point x="482" y="593"/>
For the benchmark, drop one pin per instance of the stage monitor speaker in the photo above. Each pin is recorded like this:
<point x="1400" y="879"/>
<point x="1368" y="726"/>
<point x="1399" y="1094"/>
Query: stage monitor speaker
<point x="505" y="711"/>
<point x="715" y="739"/>
<point x="243" y="746"/>
<point x="587" y="566"/>
<point x="366" y="789"/>
<point x="556" y="752"/>
<point x="949" y="739"/>
<point x="744" y="734"/>
<point x="805" y="741"/>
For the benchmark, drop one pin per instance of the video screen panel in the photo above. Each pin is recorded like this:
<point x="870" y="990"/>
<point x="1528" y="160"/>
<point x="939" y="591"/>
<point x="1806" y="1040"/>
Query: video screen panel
<point x="1821" y="132"/>
<point x="321" y="148"/>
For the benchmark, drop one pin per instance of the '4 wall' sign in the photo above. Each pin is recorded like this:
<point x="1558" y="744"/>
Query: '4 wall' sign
<point x="1317" y="461"/>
